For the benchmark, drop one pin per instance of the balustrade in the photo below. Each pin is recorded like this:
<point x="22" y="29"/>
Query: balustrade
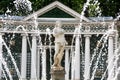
<point x="92" y="28"/>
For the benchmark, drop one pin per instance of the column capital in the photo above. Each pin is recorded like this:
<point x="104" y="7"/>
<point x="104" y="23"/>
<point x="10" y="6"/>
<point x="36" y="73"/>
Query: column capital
<point x="34" y="34"/>
<point x="111" y="36"/>
<point x="87" y="35"/>
<point x="77" y="35"/>
<point x="2" y="33"/>
<point x="24" y="34"/>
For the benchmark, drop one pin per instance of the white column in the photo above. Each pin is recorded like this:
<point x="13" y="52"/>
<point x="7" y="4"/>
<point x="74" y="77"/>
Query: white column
<point x="110" y="57"/>
<point x="72" y="65"/>
<point x="67" y="64"/>
<point x="77" y="58"/>
<point x="38" y="62"/>
<point x="87" y="57"/>
<point x="44" y="65"/>
<point x="0" y="56"/>
<point x="24" y="57"/>
<point x="33" y="58"/>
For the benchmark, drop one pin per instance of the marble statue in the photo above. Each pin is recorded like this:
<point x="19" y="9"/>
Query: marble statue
<point x="60" y="43"/>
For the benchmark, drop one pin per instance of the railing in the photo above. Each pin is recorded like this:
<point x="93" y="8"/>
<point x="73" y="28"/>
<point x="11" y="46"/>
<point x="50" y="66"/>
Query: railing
<point x="69" y="27"/>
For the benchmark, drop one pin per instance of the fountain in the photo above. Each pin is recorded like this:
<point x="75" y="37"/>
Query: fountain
<point x="84" y="59"/>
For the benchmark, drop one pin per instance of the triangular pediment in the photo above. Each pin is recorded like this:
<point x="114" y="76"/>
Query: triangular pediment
<point x="56" y="13"/>
<point x="56" y="10"/>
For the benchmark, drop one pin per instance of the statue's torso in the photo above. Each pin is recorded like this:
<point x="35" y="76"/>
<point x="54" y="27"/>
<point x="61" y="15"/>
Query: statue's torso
<point x="58" y="33"/>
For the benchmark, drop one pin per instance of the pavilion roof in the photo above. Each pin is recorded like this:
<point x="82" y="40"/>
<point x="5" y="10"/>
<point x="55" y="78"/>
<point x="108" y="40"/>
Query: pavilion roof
<point x="60" y="6"/>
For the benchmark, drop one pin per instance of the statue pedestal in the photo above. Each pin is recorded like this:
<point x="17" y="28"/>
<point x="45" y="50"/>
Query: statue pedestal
<point x="57" y="74"/>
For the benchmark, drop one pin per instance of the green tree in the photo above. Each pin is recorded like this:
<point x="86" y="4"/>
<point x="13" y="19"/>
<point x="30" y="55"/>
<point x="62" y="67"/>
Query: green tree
<point x="74" y="4"/>
<point x="108" y="7"/>
<point x="4" y="4"/>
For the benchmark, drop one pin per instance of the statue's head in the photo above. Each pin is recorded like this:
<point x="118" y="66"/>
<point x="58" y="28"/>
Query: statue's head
<point x="58" y="24"/>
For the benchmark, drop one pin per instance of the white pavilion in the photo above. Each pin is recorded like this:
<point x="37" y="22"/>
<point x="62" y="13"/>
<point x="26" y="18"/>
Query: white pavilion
<point x="90" y="52"/>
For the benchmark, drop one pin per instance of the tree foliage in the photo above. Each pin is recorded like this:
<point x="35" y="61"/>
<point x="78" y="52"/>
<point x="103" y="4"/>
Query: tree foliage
<point x="4" y="4"/>
<point x="110" y="7"/>
<point x="107" y="7"/>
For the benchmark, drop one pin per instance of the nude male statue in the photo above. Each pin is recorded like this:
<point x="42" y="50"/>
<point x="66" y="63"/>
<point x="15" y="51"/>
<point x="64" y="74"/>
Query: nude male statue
<point x="60" y="43"/>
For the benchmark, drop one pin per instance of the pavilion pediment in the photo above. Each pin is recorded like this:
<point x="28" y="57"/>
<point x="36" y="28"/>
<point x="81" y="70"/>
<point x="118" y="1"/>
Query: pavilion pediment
<point x="56" y="13"/>
<point x="56" y="10"/>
